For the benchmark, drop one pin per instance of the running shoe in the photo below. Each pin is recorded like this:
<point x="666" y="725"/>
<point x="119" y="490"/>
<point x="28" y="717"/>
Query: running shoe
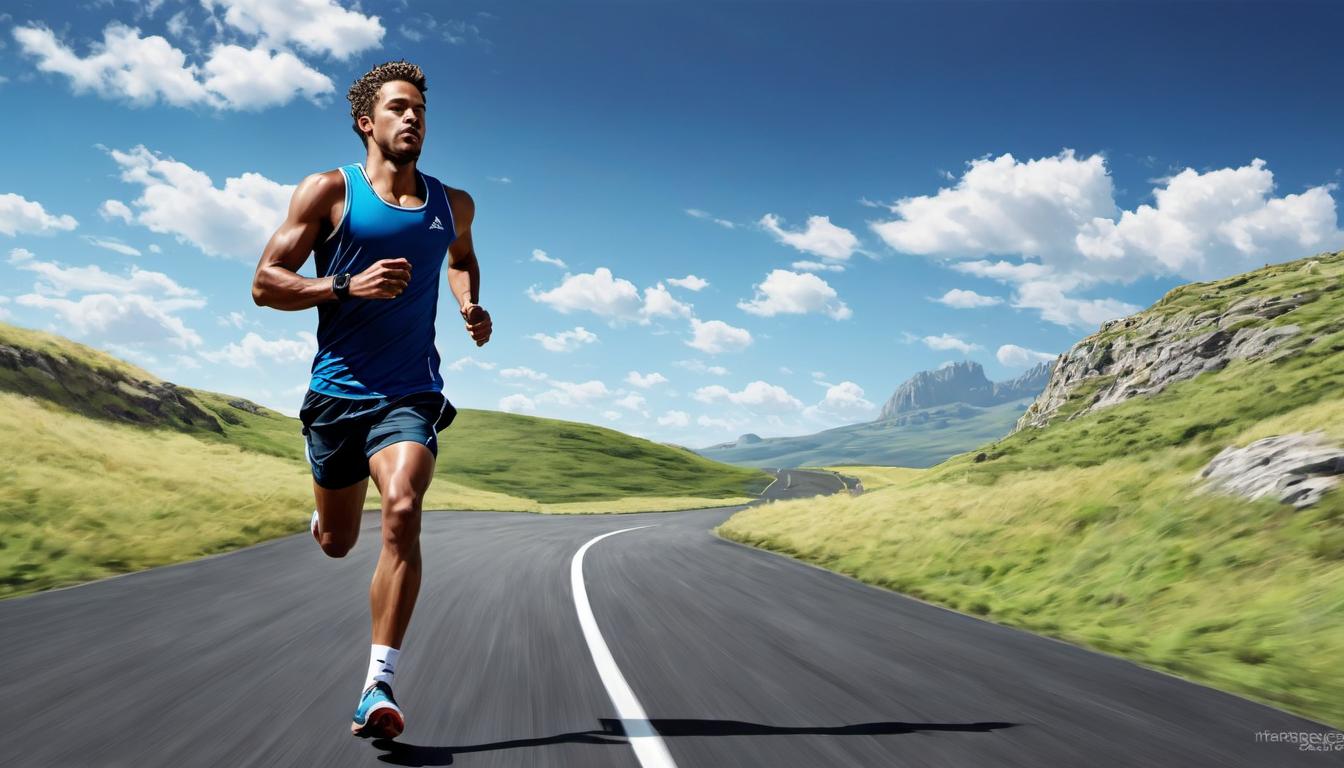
<point x="378" y="714"/>
<point x="313" y="527"/>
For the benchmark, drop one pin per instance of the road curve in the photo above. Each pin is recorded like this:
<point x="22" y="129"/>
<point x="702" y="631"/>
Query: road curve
<point x="739" y="657"/>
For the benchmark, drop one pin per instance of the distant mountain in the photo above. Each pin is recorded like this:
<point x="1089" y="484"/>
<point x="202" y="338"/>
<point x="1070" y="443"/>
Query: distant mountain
<point x="962" y="382"/>
<point x="933" y="415"/>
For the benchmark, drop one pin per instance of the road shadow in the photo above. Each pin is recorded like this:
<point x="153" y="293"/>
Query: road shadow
<point x="613" y="732"/>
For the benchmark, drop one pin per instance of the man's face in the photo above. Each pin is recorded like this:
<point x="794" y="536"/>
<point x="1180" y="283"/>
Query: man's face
<point x="398" y="121"/>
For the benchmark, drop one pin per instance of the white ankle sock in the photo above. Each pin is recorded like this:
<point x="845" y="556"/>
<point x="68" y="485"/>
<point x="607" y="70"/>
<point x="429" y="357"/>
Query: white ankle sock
<point x="382" y="664"/>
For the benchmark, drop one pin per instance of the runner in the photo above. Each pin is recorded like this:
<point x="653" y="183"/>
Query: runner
<point x="379" y="232"/>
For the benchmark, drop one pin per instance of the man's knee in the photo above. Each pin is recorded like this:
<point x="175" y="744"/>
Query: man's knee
<point x="401" y="516"/>
<point x="336" y="547"/>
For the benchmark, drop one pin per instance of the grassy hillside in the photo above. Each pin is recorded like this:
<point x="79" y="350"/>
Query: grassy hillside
<point x="107" y="469"/>
<point x="918" y="439"/>
<point x="1093" y="530"/>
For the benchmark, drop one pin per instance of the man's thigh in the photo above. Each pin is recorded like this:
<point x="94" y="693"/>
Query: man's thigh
<point x="339" y="510"/>
<point x="403" y="445"/>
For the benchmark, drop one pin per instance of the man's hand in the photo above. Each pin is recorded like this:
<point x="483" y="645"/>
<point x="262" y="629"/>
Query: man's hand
<point x="384" y="279"/>
<point x="478" y="323"/>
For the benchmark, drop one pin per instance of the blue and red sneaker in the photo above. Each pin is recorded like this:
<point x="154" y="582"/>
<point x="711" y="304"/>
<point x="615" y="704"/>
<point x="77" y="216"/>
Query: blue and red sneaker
<point x="378" y="715"/>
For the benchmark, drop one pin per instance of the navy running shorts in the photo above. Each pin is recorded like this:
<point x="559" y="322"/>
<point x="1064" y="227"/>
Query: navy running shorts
<point x="341" y="433"/>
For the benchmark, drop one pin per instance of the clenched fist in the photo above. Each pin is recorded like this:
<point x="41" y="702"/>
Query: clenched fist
<point x="478" y="323"/>
<point x="384" y="279"/>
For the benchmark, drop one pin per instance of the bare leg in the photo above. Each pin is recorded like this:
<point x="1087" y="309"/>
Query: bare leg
<point x="338" y="515"/>
<point x="402" y="472"/>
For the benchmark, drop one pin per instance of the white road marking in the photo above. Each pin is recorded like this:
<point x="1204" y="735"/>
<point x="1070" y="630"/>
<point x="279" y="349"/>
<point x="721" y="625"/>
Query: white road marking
<point x="772" y="482"/>
<point x="648" y="745"/>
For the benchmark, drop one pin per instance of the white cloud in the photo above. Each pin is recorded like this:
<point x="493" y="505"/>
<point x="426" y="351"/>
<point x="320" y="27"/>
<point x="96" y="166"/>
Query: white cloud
<point x="700" y="367"/>
<point x="253" y="348"/>
<point x="821" y="238"/>
<point x="844" y="403"/>
<point x="318" y="26"/>
<point x="540" y="255"/>
<point x="645" y="381"/>
<point x="500" y="179"/>
<point x="598" y="292"/>
<point x="945" y="342"/>
<point x="715" y="336"/>
<point x="568" y="393"/>
<point x="960" y="299"/>
<point x="565" y="341"/>
<point x="56" y="280"/>
<point x="718" y="423"/>
<point x="121" y="319"/>
<point x="112" y="244"/>
<point x="177" y="199"/>
<point x="1014" y="356"/>
<point x="758" y="396"/>
<point x="1059" y="215"/>
<point x="144" y="70"/>
<point x="817" y="266"/>
<point x="462" y="363"/>
<point x="517" y="404"/>
<point x="20" y="215"/>
<point x="115" y="209"/>
<point x="611" y="415"/>
<point x="689" y="282"/>
<point x="257" y="78"/>
<point x="785" y="292"/>
<point x="632" y="402"/>
<point x="674" y="419"/>
<point x="699" y="214"/>
<point x="658" y="302"/>
<point x="522" y="373"/>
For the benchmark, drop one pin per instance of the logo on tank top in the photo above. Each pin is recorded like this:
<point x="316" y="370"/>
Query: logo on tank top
<point x="437" y="224"/>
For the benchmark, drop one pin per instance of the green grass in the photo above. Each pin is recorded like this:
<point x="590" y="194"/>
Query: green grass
<point x="103" y="476"/>
<point x="1094" y="530"/>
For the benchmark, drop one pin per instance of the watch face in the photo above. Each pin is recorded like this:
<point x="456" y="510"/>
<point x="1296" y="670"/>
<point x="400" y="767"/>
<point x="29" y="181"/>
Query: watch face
<point x="341" y="282"/>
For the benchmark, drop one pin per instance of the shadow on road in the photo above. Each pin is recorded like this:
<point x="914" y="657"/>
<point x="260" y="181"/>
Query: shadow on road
<point x="613" y="732"/>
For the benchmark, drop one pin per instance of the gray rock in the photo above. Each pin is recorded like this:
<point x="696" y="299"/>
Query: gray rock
<point x="962" y="382"/>
<point x="1295" y="468"/>
<point x="1145" y="353"/>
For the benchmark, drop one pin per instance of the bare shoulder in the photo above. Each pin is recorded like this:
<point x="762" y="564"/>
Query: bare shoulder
<point x="319" y="192"/>
<point x="464" y="208"/>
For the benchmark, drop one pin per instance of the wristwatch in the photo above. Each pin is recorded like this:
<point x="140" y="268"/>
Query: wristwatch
<point x="340" y="285"/>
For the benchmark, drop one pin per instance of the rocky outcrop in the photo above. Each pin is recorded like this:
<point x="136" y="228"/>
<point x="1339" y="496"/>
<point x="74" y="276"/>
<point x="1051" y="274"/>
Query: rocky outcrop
<point x="102" y="393"/>
<point x="962" y="382"/>
<point x="1145" y="353"/>
<point x="1294" y="468"/>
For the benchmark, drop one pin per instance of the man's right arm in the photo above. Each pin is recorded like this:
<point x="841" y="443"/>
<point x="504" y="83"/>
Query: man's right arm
<point x="277" y="282"/>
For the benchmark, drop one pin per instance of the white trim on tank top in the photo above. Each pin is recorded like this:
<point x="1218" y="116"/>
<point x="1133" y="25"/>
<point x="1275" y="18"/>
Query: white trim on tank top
<point x="418" y="175"/>
<point x="345" y="212"/>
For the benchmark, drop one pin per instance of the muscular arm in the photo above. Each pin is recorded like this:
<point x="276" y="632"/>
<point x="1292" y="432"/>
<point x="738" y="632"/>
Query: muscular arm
<point x="464" y="274"/>
<point x="277" y="282"/>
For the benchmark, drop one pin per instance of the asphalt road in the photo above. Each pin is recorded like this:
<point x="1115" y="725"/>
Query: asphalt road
<point x="739" y="657"/>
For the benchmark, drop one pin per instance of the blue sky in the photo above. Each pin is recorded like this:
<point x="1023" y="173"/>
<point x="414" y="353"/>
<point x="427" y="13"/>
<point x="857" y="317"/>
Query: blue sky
<point x="867" y="190"/>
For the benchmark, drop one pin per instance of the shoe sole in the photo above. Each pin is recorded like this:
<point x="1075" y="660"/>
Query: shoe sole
<point x="382" y="723"/>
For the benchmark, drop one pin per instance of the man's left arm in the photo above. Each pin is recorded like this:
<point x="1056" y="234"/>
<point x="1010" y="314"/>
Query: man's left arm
<point x="464" y="273"/>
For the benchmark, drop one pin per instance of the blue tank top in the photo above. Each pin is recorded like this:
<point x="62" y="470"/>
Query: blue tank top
<point x="369" y="348"/>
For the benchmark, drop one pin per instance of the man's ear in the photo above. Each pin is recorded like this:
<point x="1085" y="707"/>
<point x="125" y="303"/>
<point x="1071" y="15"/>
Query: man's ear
<point x="365" y="124"/>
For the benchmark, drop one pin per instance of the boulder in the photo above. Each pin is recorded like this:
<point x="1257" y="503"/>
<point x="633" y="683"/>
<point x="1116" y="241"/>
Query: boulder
<point x="1295" y="468"/>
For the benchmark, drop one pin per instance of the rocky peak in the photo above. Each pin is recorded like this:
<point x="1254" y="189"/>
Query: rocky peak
<point x="962" y="382"/>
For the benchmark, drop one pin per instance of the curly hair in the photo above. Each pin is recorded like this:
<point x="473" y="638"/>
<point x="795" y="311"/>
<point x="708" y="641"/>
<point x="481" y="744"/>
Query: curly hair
<point x="364" y="90"/>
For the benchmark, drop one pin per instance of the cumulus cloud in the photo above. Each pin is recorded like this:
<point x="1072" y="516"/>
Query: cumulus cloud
<point x="689" y="282"/>
<point x="462" y="363"/>
<point x="698" y="366"/>
<point x="632" y="402"/>
<point x="112" y="244"/>
<point x="518" y="403"/>
<point x="565" y="341"/>
<point x="817" y="266"/>
<point x="254" y="348"/>
<point x="20" y="215"/>
<point x="1013" y="356"/>
<point x="569" y="393"/>
<point x="797" y="293"/>
<point x="961" y="299"/>
<point x="658" y="302"/>
<point x="115" y="209"/>
<point x="843" y="402"/>
<point x="1059" y="215"/>
<point x="145" y="70"/>
<point x="946" y="341"/>
<point x="645" y="380"/>
<point x="598" y="292"/>
<point x="674" y="419"/>
<point x="235" y="221"/>
<point x="318" y="26"/>
<point x="540" y="255"/>
<point x="821" y="238"/>
<point x="522" y="372"/>
<point x="758" y="396"/>
<point x="56" y="280"/>
<point x="715" y="336"/>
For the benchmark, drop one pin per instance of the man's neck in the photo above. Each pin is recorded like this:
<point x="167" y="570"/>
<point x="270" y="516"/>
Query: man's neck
<point x="385" y="173"/>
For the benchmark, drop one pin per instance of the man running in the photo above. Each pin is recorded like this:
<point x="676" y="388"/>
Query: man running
<point x="378" y="231"/>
